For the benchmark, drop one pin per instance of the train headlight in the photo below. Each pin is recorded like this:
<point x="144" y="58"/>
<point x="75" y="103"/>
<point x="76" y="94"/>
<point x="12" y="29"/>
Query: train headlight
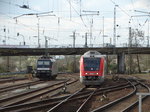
<point x="97" y="73"/>
<point x="86" y="73"/>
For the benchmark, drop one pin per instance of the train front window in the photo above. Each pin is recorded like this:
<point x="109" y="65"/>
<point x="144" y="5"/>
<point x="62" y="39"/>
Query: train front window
<point x="91" y="64"/>
<point x="40" y="62"/>
<point x="44" y="63"/>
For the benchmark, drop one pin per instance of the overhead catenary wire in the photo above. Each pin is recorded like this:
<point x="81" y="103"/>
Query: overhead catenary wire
<point x="134" y="8"/>
<point x="120" y="8"/>
<point x="77" y="21"/>
<point x="124" y="11"/>
<point x="34" y="28"/>
<point x="78" y="14"/>
<point x="19" y="23"/>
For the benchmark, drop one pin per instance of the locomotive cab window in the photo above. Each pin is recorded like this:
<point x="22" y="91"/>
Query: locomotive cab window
<point x="44" y="63"/>
<point x="91" y="64"/>
<point x="40" y="63"/>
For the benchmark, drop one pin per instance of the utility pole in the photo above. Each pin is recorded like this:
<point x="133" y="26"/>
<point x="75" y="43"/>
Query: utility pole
<point x="80" y="7"/>
<point x="91" y="13"/>
<point x="103" y="31"/>
<point x="91" y="25"/>
<point x="85" y="40"/>
<point x="5" y="35"/>
<point x="46" y="44"/>
<point x="130" y="37"/>
<point x="110" y="40"/>
<point x="114" y="36"/>
<point x="148" y="39"/>
<point x="74" y="38"/>
<point x="74" y="56"/>
<point x="38" y="32"/>
<point x="37" y="15"/>
<point x="129" y="54"/>
<point x="70" y="9"/>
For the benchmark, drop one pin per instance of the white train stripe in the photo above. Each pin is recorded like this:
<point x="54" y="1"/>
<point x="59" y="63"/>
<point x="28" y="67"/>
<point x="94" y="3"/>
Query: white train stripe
<point x="43" y="68"/>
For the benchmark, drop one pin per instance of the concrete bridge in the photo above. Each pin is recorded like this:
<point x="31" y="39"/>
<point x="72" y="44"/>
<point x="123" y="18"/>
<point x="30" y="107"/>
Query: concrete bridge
<point x="71" y="51"/>
<point x="119" y="51"/>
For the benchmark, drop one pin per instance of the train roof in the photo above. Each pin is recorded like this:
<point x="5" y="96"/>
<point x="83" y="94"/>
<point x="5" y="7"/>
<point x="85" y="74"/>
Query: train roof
<point x="46" y="58"/>
<point x="92" y="53"/>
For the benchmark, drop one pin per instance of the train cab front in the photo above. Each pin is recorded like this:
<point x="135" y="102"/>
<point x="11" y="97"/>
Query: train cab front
<point x="43" y="69"/>
<point x="91" y="71"/>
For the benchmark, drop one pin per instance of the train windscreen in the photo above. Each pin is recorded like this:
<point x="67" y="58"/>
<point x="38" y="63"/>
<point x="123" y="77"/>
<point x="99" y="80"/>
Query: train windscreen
<point x="91" y="64"/>
<point x="44" y="63"/>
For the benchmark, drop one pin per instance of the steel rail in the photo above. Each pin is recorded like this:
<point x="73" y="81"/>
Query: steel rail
<point x="29" y="92"/>
<point x="38" y="95"/>
<point x="102" y="89"/>
<point x="80" y="109"/>
<point x="12" y="87"/>
<point x="104" y="107"/>
<point x="65" y="100"/>
<point x="51" y="102"/>
<point x="88" y="96"/>
<point x="81" y="97"/>
<point x="31" y="105"/>
<point x="13" y="79"/>
<point x="136" y="102"/>
<point x="56" y="102"/>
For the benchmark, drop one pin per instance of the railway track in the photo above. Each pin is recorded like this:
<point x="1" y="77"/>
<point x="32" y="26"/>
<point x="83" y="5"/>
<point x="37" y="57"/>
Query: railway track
<point x="45" y="104"/>
<point x="80" y="104"/>
<point x="135" y="104"/>
<point x="13" y="87"/>
<point x="29" y="95"/>
<point x="79" y="101"/>
<point x="120" y="104"/>
<point x="13" y="79"/>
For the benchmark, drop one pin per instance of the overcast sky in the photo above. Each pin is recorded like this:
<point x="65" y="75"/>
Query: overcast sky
<point x="66" y="18"/>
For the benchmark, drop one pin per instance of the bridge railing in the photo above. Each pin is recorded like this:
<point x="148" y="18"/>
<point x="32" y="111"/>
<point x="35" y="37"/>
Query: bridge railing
<point x="106" y="45"/>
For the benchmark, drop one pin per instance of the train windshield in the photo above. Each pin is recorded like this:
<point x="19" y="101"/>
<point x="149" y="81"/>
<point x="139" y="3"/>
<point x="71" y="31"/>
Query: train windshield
<point x="91" y="64"/>
<point x="44" y="63"/>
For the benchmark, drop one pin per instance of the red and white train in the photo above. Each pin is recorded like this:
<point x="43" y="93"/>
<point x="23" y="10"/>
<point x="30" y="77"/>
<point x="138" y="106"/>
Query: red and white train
<point x="92" y="68"/>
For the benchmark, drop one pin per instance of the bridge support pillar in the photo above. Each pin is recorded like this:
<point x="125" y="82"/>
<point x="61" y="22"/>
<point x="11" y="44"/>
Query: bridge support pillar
<point x="121" y="63"/>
